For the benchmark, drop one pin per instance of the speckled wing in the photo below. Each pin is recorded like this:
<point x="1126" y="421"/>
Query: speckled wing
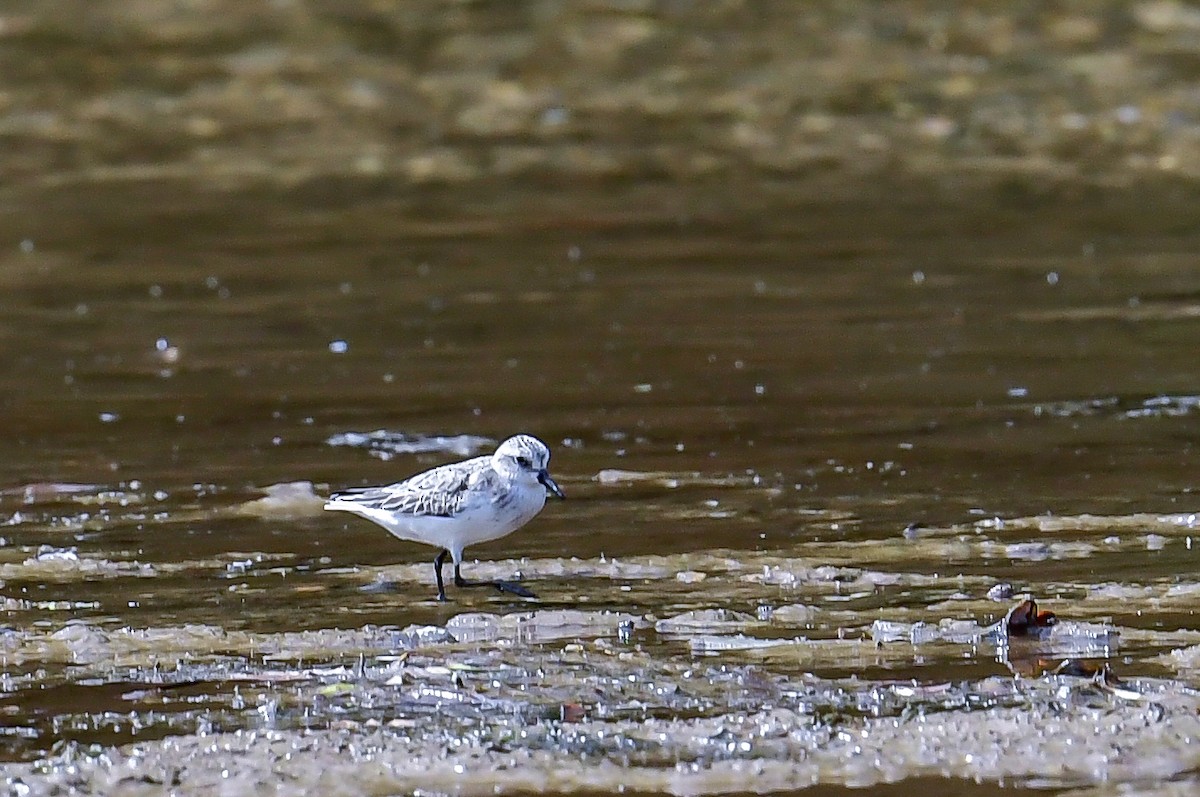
<point x="440" y="492"/>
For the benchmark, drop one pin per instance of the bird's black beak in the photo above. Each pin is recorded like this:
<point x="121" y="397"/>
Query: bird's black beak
<point x="549" y="484"/>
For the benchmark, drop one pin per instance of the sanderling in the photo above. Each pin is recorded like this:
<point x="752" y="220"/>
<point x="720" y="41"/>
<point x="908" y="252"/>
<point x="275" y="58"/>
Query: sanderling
<point x="460" y="504"/>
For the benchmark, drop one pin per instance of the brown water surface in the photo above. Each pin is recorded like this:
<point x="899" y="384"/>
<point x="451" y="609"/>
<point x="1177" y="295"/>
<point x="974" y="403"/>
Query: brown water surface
<point x="740" y="398"/>
<point x="849" y="326"/>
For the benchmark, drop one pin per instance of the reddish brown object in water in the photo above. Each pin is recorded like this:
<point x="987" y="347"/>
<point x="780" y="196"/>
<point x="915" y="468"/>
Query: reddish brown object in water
<point x="1024" y="618"/>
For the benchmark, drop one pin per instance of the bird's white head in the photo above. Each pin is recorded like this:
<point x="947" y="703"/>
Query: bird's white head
<point x="524" y="458"/>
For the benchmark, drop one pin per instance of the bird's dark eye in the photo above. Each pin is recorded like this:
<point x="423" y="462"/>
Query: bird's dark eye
<point x="523" y="462"/>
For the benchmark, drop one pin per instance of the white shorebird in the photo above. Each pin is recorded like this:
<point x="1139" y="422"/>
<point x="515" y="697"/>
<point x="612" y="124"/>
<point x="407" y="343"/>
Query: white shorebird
<point x="460" y="504"/>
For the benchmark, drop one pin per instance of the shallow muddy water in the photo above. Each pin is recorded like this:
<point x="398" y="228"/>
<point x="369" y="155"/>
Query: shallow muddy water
<point x="799" y="471"/>
<point x="850" y="329"/>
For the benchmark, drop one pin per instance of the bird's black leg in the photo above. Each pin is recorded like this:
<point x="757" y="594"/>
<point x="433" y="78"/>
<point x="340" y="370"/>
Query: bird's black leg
<point x="437" y="571"/>
<point x="503" y="586"/>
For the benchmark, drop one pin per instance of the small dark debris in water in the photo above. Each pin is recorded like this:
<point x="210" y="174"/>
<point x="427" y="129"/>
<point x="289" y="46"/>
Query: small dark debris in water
<point x="1082" y="668"/>
<point x="1106" y="680"/>
<point x="1024" y="619"/>
<point x="144" y="692"/>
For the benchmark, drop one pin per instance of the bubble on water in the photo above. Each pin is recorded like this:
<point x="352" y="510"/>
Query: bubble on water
<point x="339" y="346"/>
<point x="1129" y="114"/>
<point x="166" y="353"/>
<point x="109" y="417"/>
<point x="555" y="115"/>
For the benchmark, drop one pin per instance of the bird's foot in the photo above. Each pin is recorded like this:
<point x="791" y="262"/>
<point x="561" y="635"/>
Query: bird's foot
<point x="513" y="588"/>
